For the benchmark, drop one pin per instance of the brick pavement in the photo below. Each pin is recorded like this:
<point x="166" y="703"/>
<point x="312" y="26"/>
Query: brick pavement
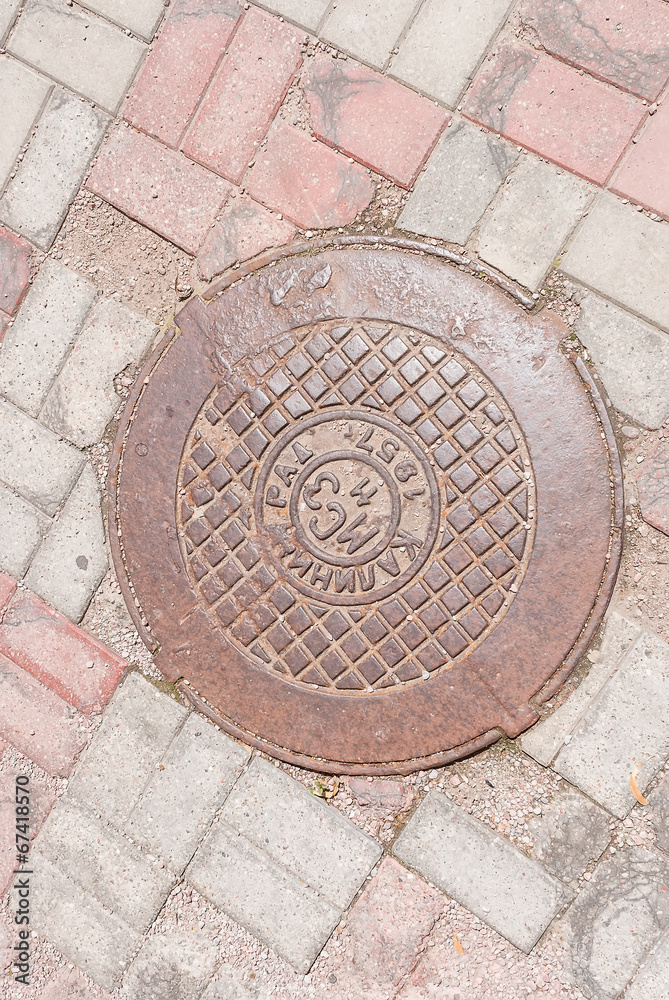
<point x="533" y="137"/>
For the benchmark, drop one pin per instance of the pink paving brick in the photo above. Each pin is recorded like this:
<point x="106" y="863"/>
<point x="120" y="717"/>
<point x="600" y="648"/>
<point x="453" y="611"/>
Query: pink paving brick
<point x="381" y="123"/>
<point x="159" y="187"/>
<point x="644" y="175"/>
<point x="180" y="66"/>
<point x="623" y="41"/>
<point x="37" y="722"/>
<point x="550" y="108"/>
<point x="7" y="588"/>
<point x="653" y="483"/>
<point x="59" y="654"/>
<point x="70" y="984"/>
<point x="307" y="181"/>
<point x="243" y="230"/>
<point x="246" y="94"/>
<point x="41" y="801"/>
<point x="14" y="270"/>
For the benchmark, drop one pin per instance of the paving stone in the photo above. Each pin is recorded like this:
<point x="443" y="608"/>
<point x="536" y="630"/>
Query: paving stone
<point x="309" y="838"/>
<point x="652" y="983"/>
<point x="226" y="985"/>
<point x="47" y="179"/>
<point x="5" y="323"/>
<point x="242" y="230"/>
<point x="460" y="180"/>
<point x="285" y="913"/>
<point x="103" y="863"/>
<point x="444" y="45"/>
<point x="481" y="870"/>
<point x="653" y="485"/>
<point x="49" y="321"/>
<point x="623" y="42"/>
<point x="171" y="966"/>
<point x="70" y="984"/>
<point x="571" y="833"/>
<point x="7" y="590"/>
<point x="544" y="740"/>
<point x="34" y="461"/>
<point x="41" y="800"/>
<point x="616" y="920"/>
<point x="14" y="269"/>
<point x="79" y="926"/>
<point x="626" y="727"/>
<point x="380" y="794"/>
<point x="659" y="808"/>
<point x="8" y="9"/>
<point x="623" y="254"/>
<point x="173" y="78"/>
<point x="84" y="53"/>
<point x="22" y="94"/>
<point x="387" y="928"/>
<point x="22" y="528"/>
<point x="181" y="800"/>
<point x="136" y="731"/>
<point x="368" y="29"/>
<point x="133" y="168"/>
<point x="548" y="107"/>
<point x="643" y="176"/>
<point x="380" y="123"/>
<point x="59" y="654"/>
<point x="245" y="94"/>
<point x="72" y="560"/>
<point x="307" y="182"/>
<point x="141" y="16"/>
<point x="82" y="400"/>
<point x="308" y="13"/>
<point x="631" y="357"/>
<point x="37" y="722"/>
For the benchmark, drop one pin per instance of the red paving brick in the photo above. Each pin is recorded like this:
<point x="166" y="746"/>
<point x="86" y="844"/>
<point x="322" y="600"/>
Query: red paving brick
<point x="644" y="175"/>
<point x="623" y="41"/>
<point x="308" y="182"/>
<point x="59" y="654"/>
<point x="550" y="108"/>
<point x="180" y="65"/>
<point x="7" y="588"/>
<point x="246" y="94"/>
<point x="14" y="270"/>
<point x="653" y="481"/>
<point x="132" y="168"/>
<point x="41" y="801"/>
<point x="37" y="722"/>
<point x="381" y="123"/>
<point x="243" y="230"/>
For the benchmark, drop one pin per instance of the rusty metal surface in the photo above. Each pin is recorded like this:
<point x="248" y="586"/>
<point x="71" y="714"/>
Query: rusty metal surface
<point x="364" y="504"/>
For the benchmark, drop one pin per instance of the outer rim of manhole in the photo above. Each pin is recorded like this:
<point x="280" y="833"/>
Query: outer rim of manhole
<point x="470" y="703"/>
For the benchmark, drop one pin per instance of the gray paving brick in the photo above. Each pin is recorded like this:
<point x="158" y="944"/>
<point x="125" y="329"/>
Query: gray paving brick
<point x="83" y="52"/>
<point x="73" y="558"/>
<point x="627" y="725"/>
<point x="82" y="399"/>
<point x="615" y="921"/>
<point x="481" y="870"/>
<point x="307" y="13"/>
<point x="631" y="357"/>
<point x="80" y="927"/>
<point x="22" y="528"/>
<point x="652" y="983"/>
<point x="136" y="731"/>
<point x="368" y="29"/>
<point x="445" y="44"/>
<point x="285" y="913"/>
<point x="226" y="985"/>
<point x="460" y="180"/>
<point x="36" y="201"/>
<point x="34" y="461"/>
<point x="571" y="833"/>
<point x="22" y="95"/>
<point x="104" y="863"/>
<point x="624" y="255"/>
<point x="141" y="16"/>
<point x="530" y="220"/>
<point x="36" y="345"/>
<point x="171" y="966"/>
<point x="8" y="9"/>
<point x="659" y="808"/>
<point x="180" y="801"/>
<point x="309" y="838"/>
<point x="545" y="739"/>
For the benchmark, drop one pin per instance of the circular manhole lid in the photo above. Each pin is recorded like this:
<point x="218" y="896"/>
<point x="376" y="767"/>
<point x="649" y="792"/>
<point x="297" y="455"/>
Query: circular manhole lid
<point x="366" y="508"/>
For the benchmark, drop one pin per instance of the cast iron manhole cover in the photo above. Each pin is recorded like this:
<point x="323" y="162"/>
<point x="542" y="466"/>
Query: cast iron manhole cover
<point x="366" y="508"/>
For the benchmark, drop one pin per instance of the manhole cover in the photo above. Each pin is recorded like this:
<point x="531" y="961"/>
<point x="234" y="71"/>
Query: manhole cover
<point x="367" y="509"/>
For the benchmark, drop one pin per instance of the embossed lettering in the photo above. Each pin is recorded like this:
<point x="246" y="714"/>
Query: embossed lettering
<point x="388" y="450"/>
<point x="404" y="540"/>
<point x="345" y="580"/>
<point x="362" y="443"/>
<point x="302" y="454"/>
<point x="340" y="515"/>
<point x="301" y="562"/>
<point x="367" y="583"/>
<point x="273" y="497"/>
<point x="356" y="539"/>
<point x="359" y="491"/>
<point x="285" y="473"/>
<point x="321" y="575"/>
<point x="404" y="471"/>
<point x="389" y="563"/>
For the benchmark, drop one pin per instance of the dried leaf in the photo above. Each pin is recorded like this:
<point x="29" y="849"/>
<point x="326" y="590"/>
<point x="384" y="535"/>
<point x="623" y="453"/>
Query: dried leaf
<point x="636" y="791"/>
<point x="323" y="792"/>
<point x="458" y="946"/>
